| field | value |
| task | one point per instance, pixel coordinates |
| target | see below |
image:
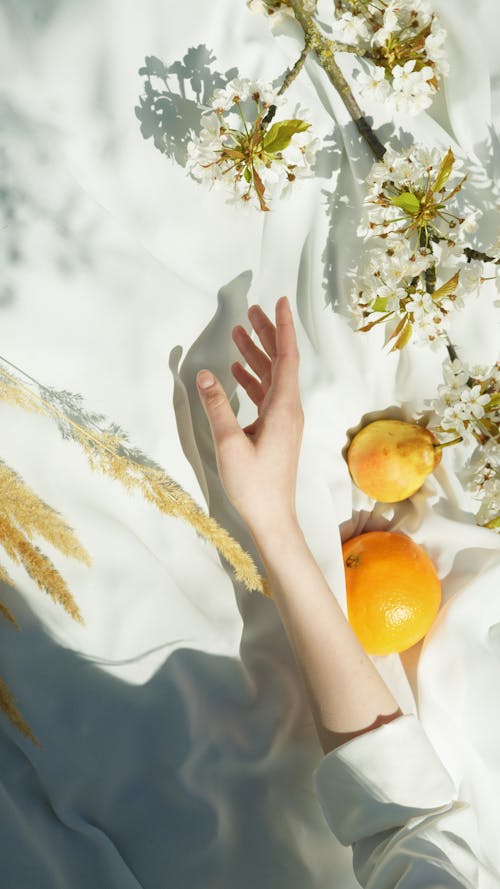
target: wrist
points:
(278, 527)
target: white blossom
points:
(421, 304)
(374, 84)
(472, 402)
(388, 26)
(463, 400)
(434, 49)
(350, 27)
(455, 374)
(470, 223)
(223, 154)
(481, 478)
(265, 93)
(389, 35)
(412, 90)
(470, 277)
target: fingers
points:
(258, 361)
(264, 329)
(251, 386)
(286, 340)
(282, 357)
(220, 414)
(286, 379)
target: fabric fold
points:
(388, 795)
(381, 780)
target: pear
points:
(390, 459)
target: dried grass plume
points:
(108, 451)
(23, 514)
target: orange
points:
(393, 591)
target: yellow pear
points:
(390, 459)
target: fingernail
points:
(205, 379)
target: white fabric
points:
(387, 794)
(178, 743)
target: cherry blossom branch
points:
(324, 50)
(289, 78)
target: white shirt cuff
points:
(381, 779)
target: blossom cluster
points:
(409, 191)
(403, 41)
(414, 270)
(481, 478)
(239, 150)
(469, 406)
(469, 401)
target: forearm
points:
(347, 694)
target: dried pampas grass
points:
(107, 450)
(23, 513)
(9, 708)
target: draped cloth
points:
(178, 747)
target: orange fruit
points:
(393, 591)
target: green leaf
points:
(279, 136)
(489, 425)
(408, 202)
(446, 289)
(493, 403)
(380, 304)
(493, 523)
(247, 175)
(444, 171)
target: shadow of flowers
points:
(170, 115)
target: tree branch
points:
(325, 50)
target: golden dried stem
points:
(156, 486)
(9, 708)
(38, 566)
(33, 515)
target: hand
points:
(258, 464)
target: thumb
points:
(217, 408)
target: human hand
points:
(258, 464)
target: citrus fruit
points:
(393, 591)
(390, 459)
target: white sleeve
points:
(387, 794)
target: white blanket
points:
(178, 744)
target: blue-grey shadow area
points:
(37, 14)
(165, 783)
(175, 96)
(200, 777)
(266, 655)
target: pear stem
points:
(445, 444)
